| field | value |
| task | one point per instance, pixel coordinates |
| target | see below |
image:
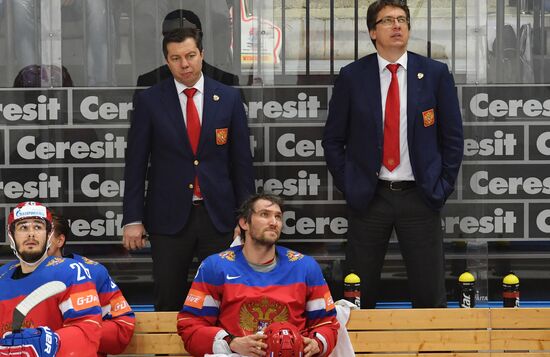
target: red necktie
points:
(193, 130)
(391, 122)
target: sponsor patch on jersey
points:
(294, 256)
(119, 306)
(221, 136)
(55, 261)
(329, 302)
(429, 118)
(228, 254)
(84, 300)
(195, 298)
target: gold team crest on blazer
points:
(221, 136)
(429, 118)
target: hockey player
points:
(66, 324)
(239, 292)
(118, 318)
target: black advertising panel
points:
(98, 184)
(506, 104)
(95, 223)
(295, 143)
(102, 106)
(20, 107)
(290, 104)
(257, 142)
(513, 182)
(68, 145)
(48, 185)
(483, 220)
(328, 221)
(493, 143)
(294, 183)
(539, 142)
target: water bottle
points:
(510, 291)
(467, 290)
(352, 289)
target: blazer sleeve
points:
(451, 136)
(242, 171)
(335, 134)
(137, 158)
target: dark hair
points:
(180, 35)
(377, 6)
(247, 208)
(61, 226)
(179, 19)
(31, 76)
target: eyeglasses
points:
(390, 20)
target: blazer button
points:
(190, 186)
(377, 173)
(196, 162)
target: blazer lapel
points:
(371, 82)
(171, 103)
(415, 75)
(209, 109)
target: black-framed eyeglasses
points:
(390, 20)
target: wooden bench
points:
(399, 333)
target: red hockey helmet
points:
(30, 209)
(283, 340)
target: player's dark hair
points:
(377, 6)
(61, 226)
(247, 208)
(180, 35)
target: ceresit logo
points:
(304, 107)
(46, 187)
(91, 109)
(307, 184)
(313, 225)
(110, 226)
(45, 109)
(482, 107)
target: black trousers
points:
(172, 256)
(420, 237)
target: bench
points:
(399, 333)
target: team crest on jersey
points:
(55, 261)
(294, 256)
(255, 315)
(89, 261)
(228, 254)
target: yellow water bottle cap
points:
(466, 277)
(510, 279)
(352, 279)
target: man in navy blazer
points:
(404, 189)
(189, 204)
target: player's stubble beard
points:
(31, 257)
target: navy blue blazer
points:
(353, 135)
(158, 136)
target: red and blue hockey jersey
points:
(74, 314)
(229, 294)
(118, 318)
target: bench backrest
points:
(394, 333)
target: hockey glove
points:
(33, 342)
